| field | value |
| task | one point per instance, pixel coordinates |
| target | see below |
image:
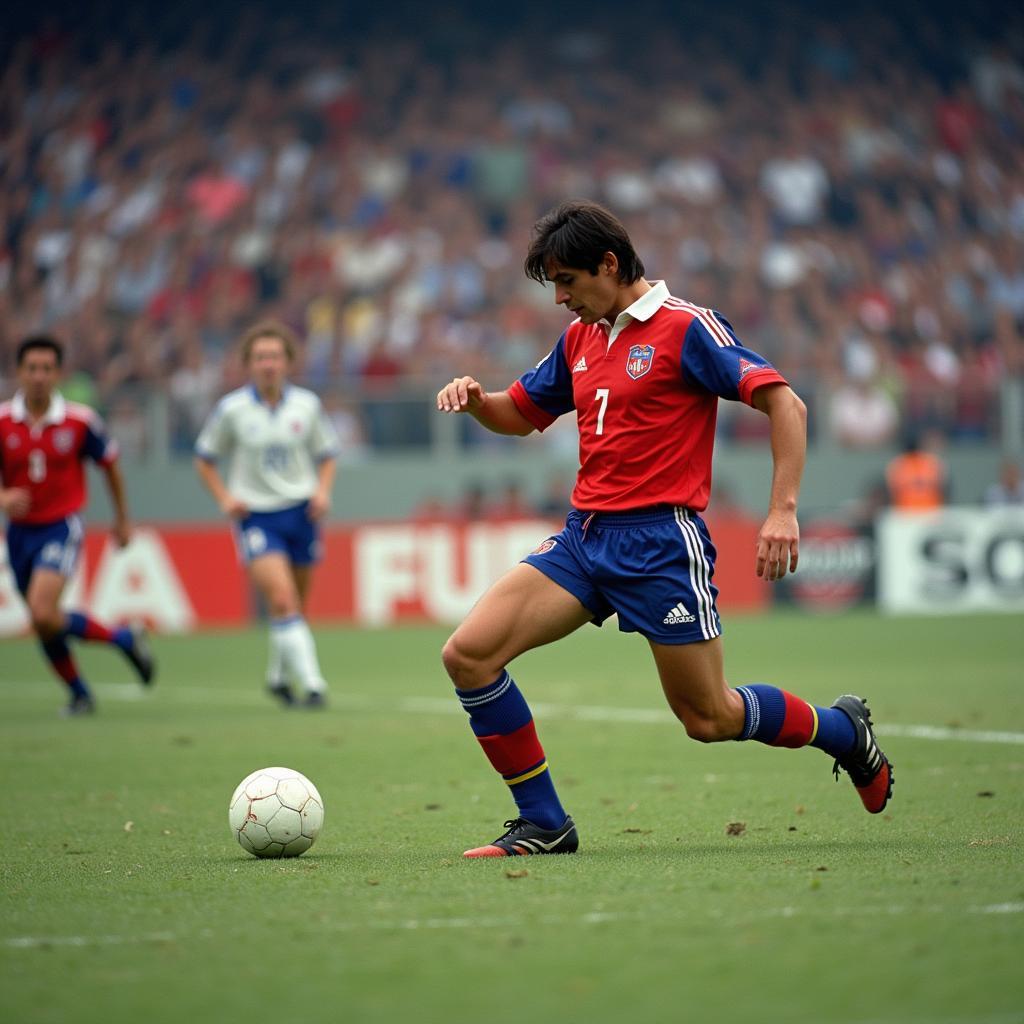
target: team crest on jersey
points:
(296, 426)
(13, 441)
(639, 360)
(63, 439)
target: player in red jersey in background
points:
(644, 372)
(44, 442)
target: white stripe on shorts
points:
(72, 546)
(700, 573)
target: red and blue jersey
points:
(646, 398)
(47, 458)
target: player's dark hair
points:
(270, 329)
(578, 233)
(40, 341)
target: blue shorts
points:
(652, 567)
(288, 530)
(53, 546)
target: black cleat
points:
(80, 704)
(141, 655)
(283, 692)
(869, 769)
(315, 699)
(523, 838)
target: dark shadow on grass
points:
(303, 859)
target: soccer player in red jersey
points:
(44, 442)
(644, 372)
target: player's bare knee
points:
(703, 728)
(466, 671)
(46, 622)
(454, 660)
(282, 604)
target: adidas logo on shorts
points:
(678, 616)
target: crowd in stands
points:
(847, 187)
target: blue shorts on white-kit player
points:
(289, 531)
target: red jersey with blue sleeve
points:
(47, 458)
(646, 399)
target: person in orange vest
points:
(916, 480)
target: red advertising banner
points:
(184, 577)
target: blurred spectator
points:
(80, 387)
(797, 185)
(997, 76)
(916, 480)
(862, 413)
(1009, 488)
(216, 194)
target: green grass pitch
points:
(123, 896)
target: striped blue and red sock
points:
(503, 725)
(779, 719)
(84, 627)
(61, 659)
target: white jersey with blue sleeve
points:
(271, 452)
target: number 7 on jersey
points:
(602, 397)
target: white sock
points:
(299, 653)
(275, 660)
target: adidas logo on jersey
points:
(581, 365)
(678, 616)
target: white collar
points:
(642, 309)
(54, 414)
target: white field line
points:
(593, 917)
(79, 941)
(444, 706)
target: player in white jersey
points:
(280, 451)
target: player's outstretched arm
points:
(121, 529)
(778, 543)
(493, 409)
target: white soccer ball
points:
(276, 812)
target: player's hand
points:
(233, 508)
(122, 532)
(15, 501)
(778, 545)
(463, 395)
(319, 506)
